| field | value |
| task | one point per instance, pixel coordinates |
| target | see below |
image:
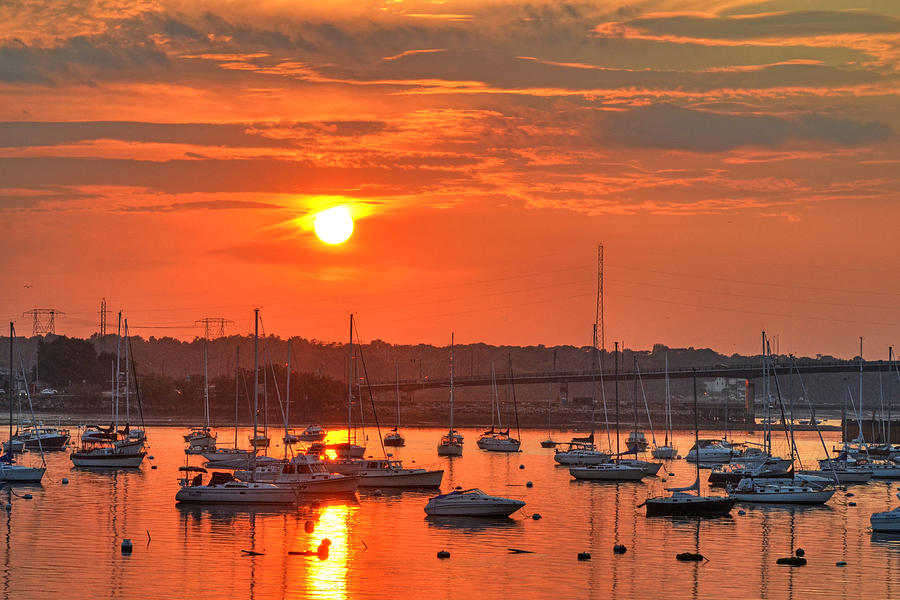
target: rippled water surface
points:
(65, 541)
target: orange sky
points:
(739, 163)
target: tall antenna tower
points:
(102, 324)
(599, 328)
(44, 320)
(213, 327)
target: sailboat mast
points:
(696, 431)
(127, 379)
(860, 380)
(767, 440)
(206, 381)
(255, 378)
(11, 386)
(118, 355)
(397, 378)
(350, 385)
(668, 405)
(237, 375)
(617, 398)
(287, 391)
(451, 386)
(889, 439)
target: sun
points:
(334, 225)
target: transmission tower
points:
(44, 320)
(599, 328)
(102, 324)
(213, 327)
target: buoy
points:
(65, 480)
(800, 552)
(443, 554)
(152, 466)
(850, 494)
(793, 561)
(521, 466)
(671, 474)
(584, 556)
(841, 563)
(663, 480)
(377, 493)
(537, 516)
(851, 504)
(309, 527)
(619, 549)
(322, 550)
(8, 507)
(150, 457)
(126, 546)
(690, 557)
(529, 484)
(742, 512)
(27, 496)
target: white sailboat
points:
(668, 450)
(9, 470)
(496, 439)
(223, 487)
(202, 439)
(451, 444)
(234, 457)
(394, 438)
(886, 522)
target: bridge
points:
(745, 371)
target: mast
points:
(860, 381)
(118, 354)
(287, 392)
(237, 374)
(696, 430)
(255, 379)
(494, 396)
(668, 401)
(11, 386)
(515, 403)
(350, 385)
(127, 379)
(206, 380)
(397, 372)
(767, 439)
(617, 399)
(634, 393)
(890, 440)
(451, 388)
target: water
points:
(65, 542)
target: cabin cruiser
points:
(383, 473)
(234, 458)
(313, 433)
(682, 504)
(306, 474)
(107, 455)
(886, 522)
(782, 492)
(471, 503)
(711, 451)
(224, 488)
(200, 439)
(636, 442)
(39, 436)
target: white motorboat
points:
(787, 492)
(39, 436)
(636, 441)
(313, 433)
(607, 472)
(224, 488)
(886, 522)
(580, 453)
(384, 473)
(711, 451)
(471, 503)
(306, 474)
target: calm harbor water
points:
(65, 541)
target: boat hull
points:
(494, 445)
(842, 476)
(548, 444)
(450, 450)
(580, 458)
(426, 479)
(600, 473)
(886, 522)
(806, 497)
(21, 474)
(394, 441)
(216, 495)
(664, 452)
(474, 509)
(89, 459)
(689, 507)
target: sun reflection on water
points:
(328, 578)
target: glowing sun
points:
(334, 225)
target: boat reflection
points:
(472, 523)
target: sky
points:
(738, 160)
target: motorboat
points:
(224, 488)
(722, 475)
(607, 472)
(259, 440)
(886, 522)
(580, 453)
(38, 436)
(200, 439)
(313, 433)
(231, 458)
(787, 492)
(711, 451)
(384, 473)
(636, 441)
(107, 455)
(471, 503)
(13, 473)
(346, 450)
(306, 474)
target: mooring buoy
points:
(443, 554)
(584, 556)
(126, 546)
(529, 484)
(537, 516)
(619, 549)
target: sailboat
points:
(452, 443)
(394, 437)
(609, 471)
(116, 448)
(581, 450)
(496, 439)
(223, 487)
(682, 504)
(9, 470)
(668, 450)
(202, 439)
